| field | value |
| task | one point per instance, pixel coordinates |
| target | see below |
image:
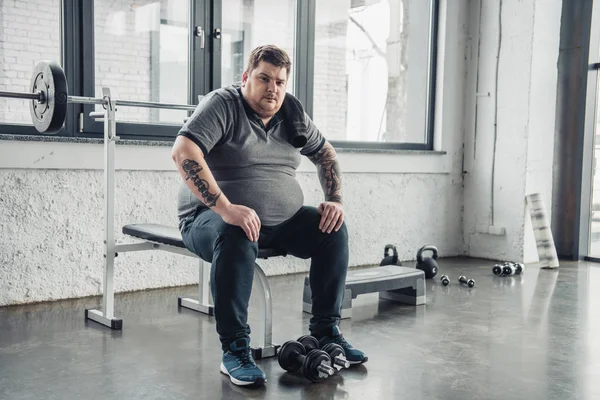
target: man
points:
(238, 154)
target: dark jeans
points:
(232, 256)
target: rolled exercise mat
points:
(541, 230)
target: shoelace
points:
(244, 357)
(342, 342)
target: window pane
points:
(141, 53)
(29, 33)
(251, 23)
(371, 69)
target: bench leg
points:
(203, 303)
(107, 317)
(268, 349)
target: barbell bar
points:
(49, 98)
(93, 100)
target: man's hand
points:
(244, 217)
(332, 216)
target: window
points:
(30, 32)
(244, 28)
(362, 68)
(372, 75)
(141, 53)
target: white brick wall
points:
(330, 95)
(126, 41)
(122, 53)
(122, 56)
(29, 32)
(247, 19)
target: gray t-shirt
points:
(253, 165)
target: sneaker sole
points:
(364, 360)
(259, 381)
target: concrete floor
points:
(534, 336)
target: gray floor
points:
(535, 336)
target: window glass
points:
(250, 23)
(371, 77)
(142, 53)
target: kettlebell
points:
(390, 259)
(428, 265)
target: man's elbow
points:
(176, 154)
(184, 148)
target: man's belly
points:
(274, 200)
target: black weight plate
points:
(309, 342)
(287, 356)
(334, 350)
(311, 363)
(48, 115)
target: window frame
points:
(77, 59)
(431, 90)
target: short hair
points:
(271, 54)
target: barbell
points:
(49, 98)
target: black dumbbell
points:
(497, 270)
(315, 366)
(445, 280)
(464, 280)
(508, 268)
(511, 268)
(335, 351)
(337, 354)
(309, 342)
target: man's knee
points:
(340, 236)
(233, 240)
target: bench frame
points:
(106, 316)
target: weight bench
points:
(166, 238)
(400, 284)
(392, 282)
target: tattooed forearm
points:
(192, 172)
(328, 170)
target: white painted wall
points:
(524, 98)
(51, 224)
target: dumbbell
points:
(497, 270)
(512, 269)
(445, 280)
(464, 280)
(335, 351)
(315, 366)
(507, 268)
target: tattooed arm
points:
(328, 170)
(196, 174)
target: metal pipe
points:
(93, 100)
(85, 100)
(19, 95)
(132, 103)
(150, 104)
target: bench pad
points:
(171, 236)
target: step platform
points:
(396, 283)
